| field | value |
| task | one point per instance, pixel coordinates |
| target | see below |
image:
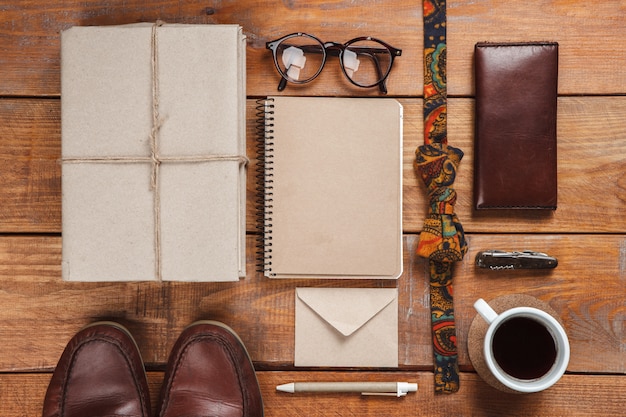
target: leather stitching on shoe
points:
(126, 354)
(231, 353)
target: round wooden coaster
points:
(478, 329)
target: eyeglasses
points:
(365, 61)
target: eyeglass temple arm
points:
(382, 85)
(337, 48)
(371, 53)
(283, 83)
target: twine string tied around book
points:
(154, 158)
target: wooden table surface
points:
(39, 312)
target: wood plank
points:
(587, 233)
(591, 55)
(578, 28)
(596, 395)
(592, 174)
(591, 155)
(30, 184)
(586, 290)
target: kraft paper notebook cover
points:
(333, 188)
(179, 216)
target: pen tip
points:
(291, 387)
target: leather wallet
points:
(515, 165)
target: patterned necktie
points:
(442, 240)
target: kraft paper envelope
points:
(347, 327)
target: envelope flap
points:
(347, 309)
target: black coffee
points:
(524, 348)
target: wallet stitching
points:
(540, 43)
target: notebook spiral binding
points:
(264, 181)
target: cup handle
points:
(485, 310)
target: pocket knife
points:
(499, 259)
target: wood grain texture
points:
(30, 184)
(591, 149)
(587, 233)
(591, 55)
(586, 289)
(595, 396)
(590, 156)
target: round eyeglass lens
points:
(366, 62)
(300, 58)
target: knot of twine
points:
(155, 159)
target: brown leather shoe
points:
(209, 373)
(99, 374)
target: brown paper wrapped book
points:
(153, 152)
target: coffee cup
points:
(525, 348)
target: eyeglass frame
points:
(333, 46)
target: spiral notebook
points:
(332, 192)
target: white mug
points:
(525, 348)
